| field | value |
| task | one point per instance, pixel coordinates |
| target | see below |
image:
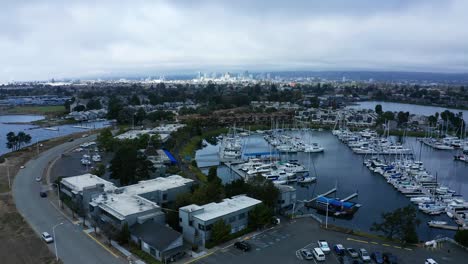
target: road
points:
(73, 245)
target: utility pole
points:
(55, 241)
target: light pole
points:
(326, 218)
(58, 193)
(55, 241)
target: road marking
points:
(204, 256)
(102, 245)
(357, 240)
(397, 247)
(60, 211)
(375, 243)
(386, 245)
(409, 249)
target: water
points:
(413, 109)
(338, 164)
(37, 133)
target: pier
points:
(321, 195)
(447, 227)
(349, 197)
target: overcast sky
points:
(55, 38)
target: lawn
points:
(39, 110)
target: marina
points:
(340, 166)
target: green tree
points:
(378, 109)
(260, 216)
(462, 237)
(124, 234)
(220, 232)
(127, 115)
(213, 175)
(134, 100)
(128, 166)
(99, 170)
(140, 116)
(16, 141)
(399, 224)
(79, 108)
(113, 107)
(93, 104)
(105, 139)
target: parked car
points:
(318, 254)
(430, 261)
(324, 246)
(43, 194)
(352, 252)
(71, 140)
(346, 260)
(377, 257)
(390, 258)
(242, 245)
(339, 249)
(307, 253)
(364, 255)
(47, 238)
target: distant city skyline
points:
(79, 39)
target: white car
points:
(318, 254)
(47, 238)
(430, 261)
(324, 246)
(307, 254)
(364, 255)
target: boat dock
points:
(447, 227)
(349, 197)
(321, 195)
(236, 169)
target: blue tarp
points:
(334, 202)
(169, 155)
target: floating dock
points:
(447, 227)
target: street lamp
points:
(58, 194)
(55, 241)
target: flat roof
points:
(78, 183)
(227, 206)
(157, 184)
(122, 204)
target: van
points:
(430, 261)
(318, 254)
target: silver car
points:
(47, 237)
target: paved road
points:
(73, 245)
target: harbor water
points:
(339, 166)
(12, 123)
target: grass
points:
(41, 110)
(143, 255)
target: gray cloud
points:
(46, 39)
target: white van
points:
(318, 254)
(430, 261)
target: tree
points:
(388, 116)
(402, 118)
(79, 108)
(399, 224)
(134, 100)
(105, 139)
(378, 109)
(124, 234)
(220, 232)
(462, 237)
(93, 104)
(140, 116)
(99, 170)
(260, 216)
(16, 141)
(113, 107)
(213, 175)
(128, 166)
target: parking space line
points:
(357, 240)
(397, 247)
(373, 242)
(386, 245)
(409, 249)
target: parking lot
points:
(282, 245)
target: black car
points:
(345, 260)
(242, 245)
(43, 194)
(390, 258)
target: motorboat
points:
(313, 148)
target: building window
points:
(201, 227)
(208, 227)
(190, 223)
(180, 219)
(165, 196)
(242, 216)
(232, 219)
(152, 251)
